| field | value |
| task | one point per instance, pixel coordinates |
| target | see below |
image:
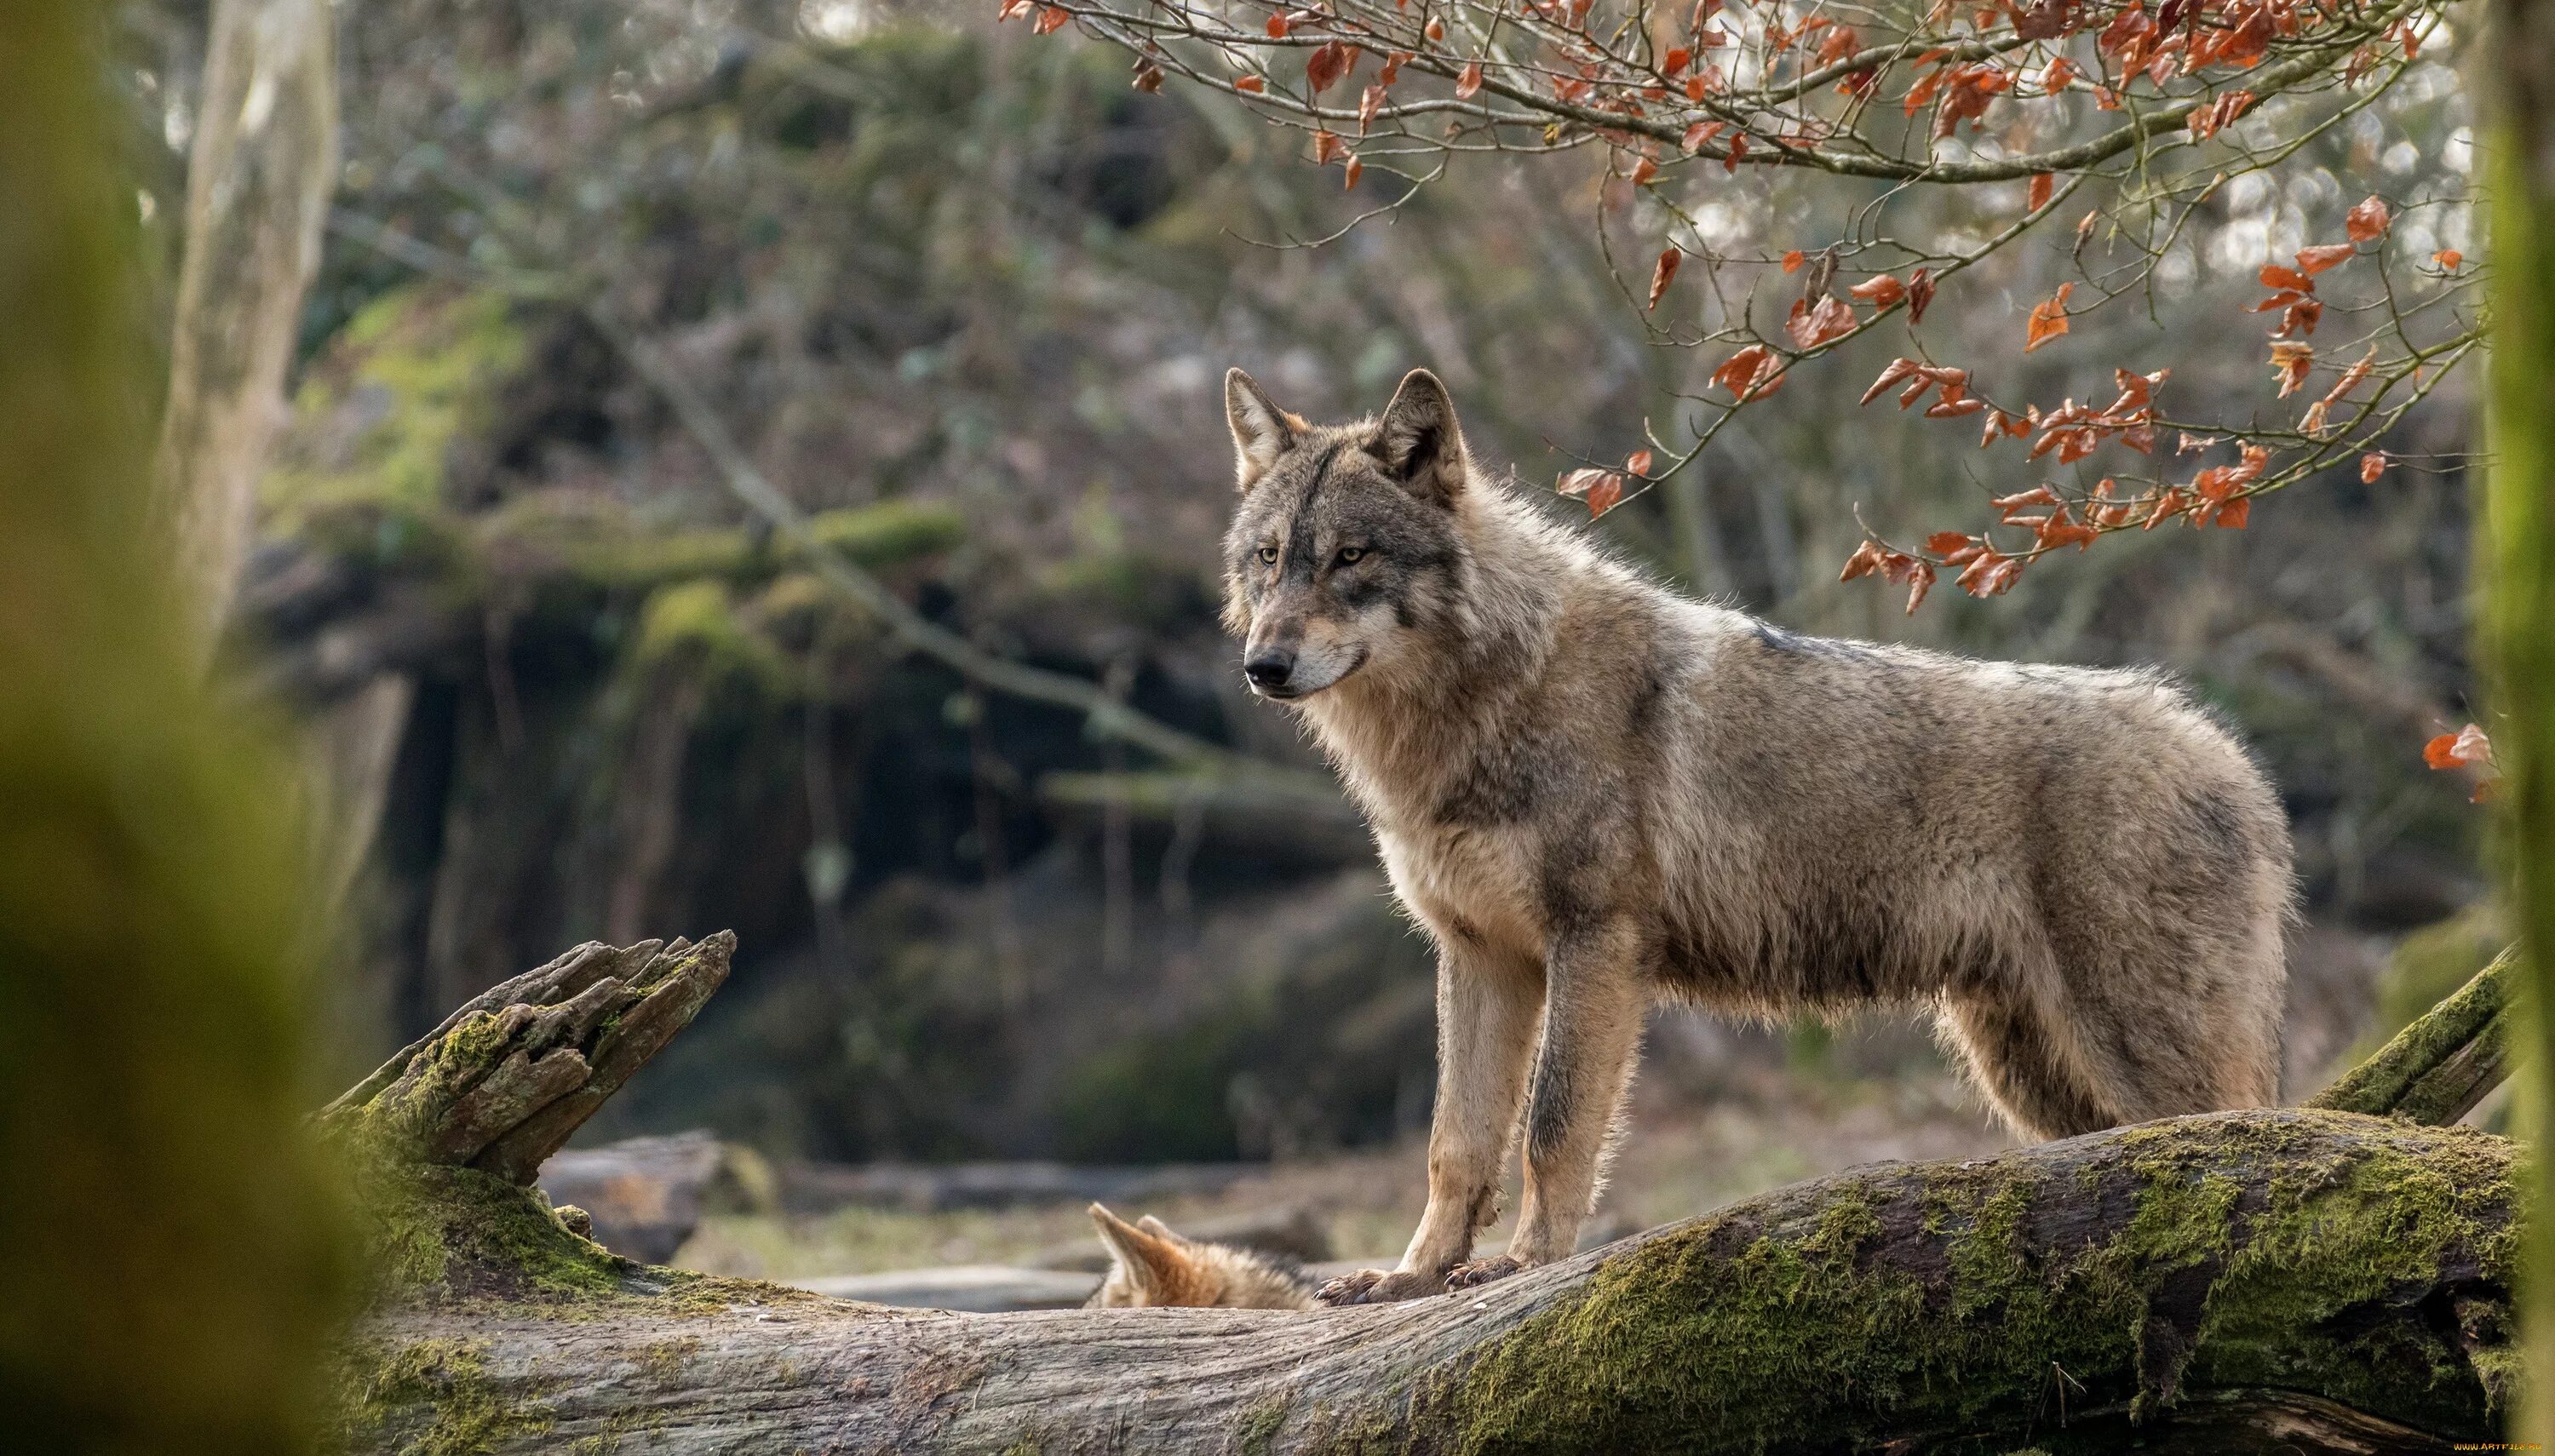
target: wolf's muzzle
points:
(1270, 669)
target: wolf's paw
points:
(1379, 1286)
(1481, 1272)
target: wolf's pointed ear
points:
(1261, 431)
(1419, 441)
(1153, 1263)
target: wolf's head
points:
(1152, 1268)
(1347, 541)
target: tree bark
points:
(2317, 1279)
(262, 166)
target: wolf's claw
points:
(1379, 1286)
(1482, 1272)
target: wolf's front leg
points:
(1485, 1012)
(1594, 1000)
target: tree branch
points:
(2438, 1068)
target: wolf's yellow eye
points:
(1268, 556)
(1349, 555)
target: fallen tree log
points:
(2310, 1280)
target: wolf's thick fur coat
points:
(1595, 793)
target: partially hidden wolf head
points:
(1152, 1268)
(1347, 545)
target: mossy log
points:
(2306, 1281)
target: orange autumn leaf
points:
(1751, 374)
(2317, 259)
(1665, 272)
(2290, 360)
(2048, 318)
(1250, 85)
(1921, 292)
(1326, 145)
(1812, 324)
(2366, 222)
(2447, 259)
(1050, 19)
(2372, 465)
(1469, 81)
(1324, 67)
(2463, 749)
(1350, 173)
(1645, 171)
(1603, 496)
(1637, 463)
(1278, 27)
(1792, 261)
(1879, 292)
(2043, 184)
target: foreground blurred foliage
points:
(964, 295)
(167, 1260)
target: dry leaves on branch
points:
(2048, 318)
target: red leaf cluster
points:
(1913, 573)
(1751, 374)
(2074, 431)
(1814, 324)
(2209, 120)
(2468, 747)
(1960, 93)
(1325, 66)
(2214, 491)
(2290, 361)
(1602, 489)
(1952, 386)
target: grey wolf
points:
(1149, 1267)
(1595, 793)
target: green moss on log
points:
(434, 1397)
(1799, 1325)
(2434, 1068)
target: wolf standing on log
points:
(1595, 793)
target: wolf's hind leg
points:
(2021, 1057)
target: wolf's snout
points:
(1269, 668)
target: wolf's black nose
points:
(1269, 668)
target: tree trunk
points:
(2517, 554)
(258, 183)
(2318, 1280)
(169, 1266)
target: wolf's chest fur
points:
(1471, 881)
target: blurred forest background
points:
(964, 295)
